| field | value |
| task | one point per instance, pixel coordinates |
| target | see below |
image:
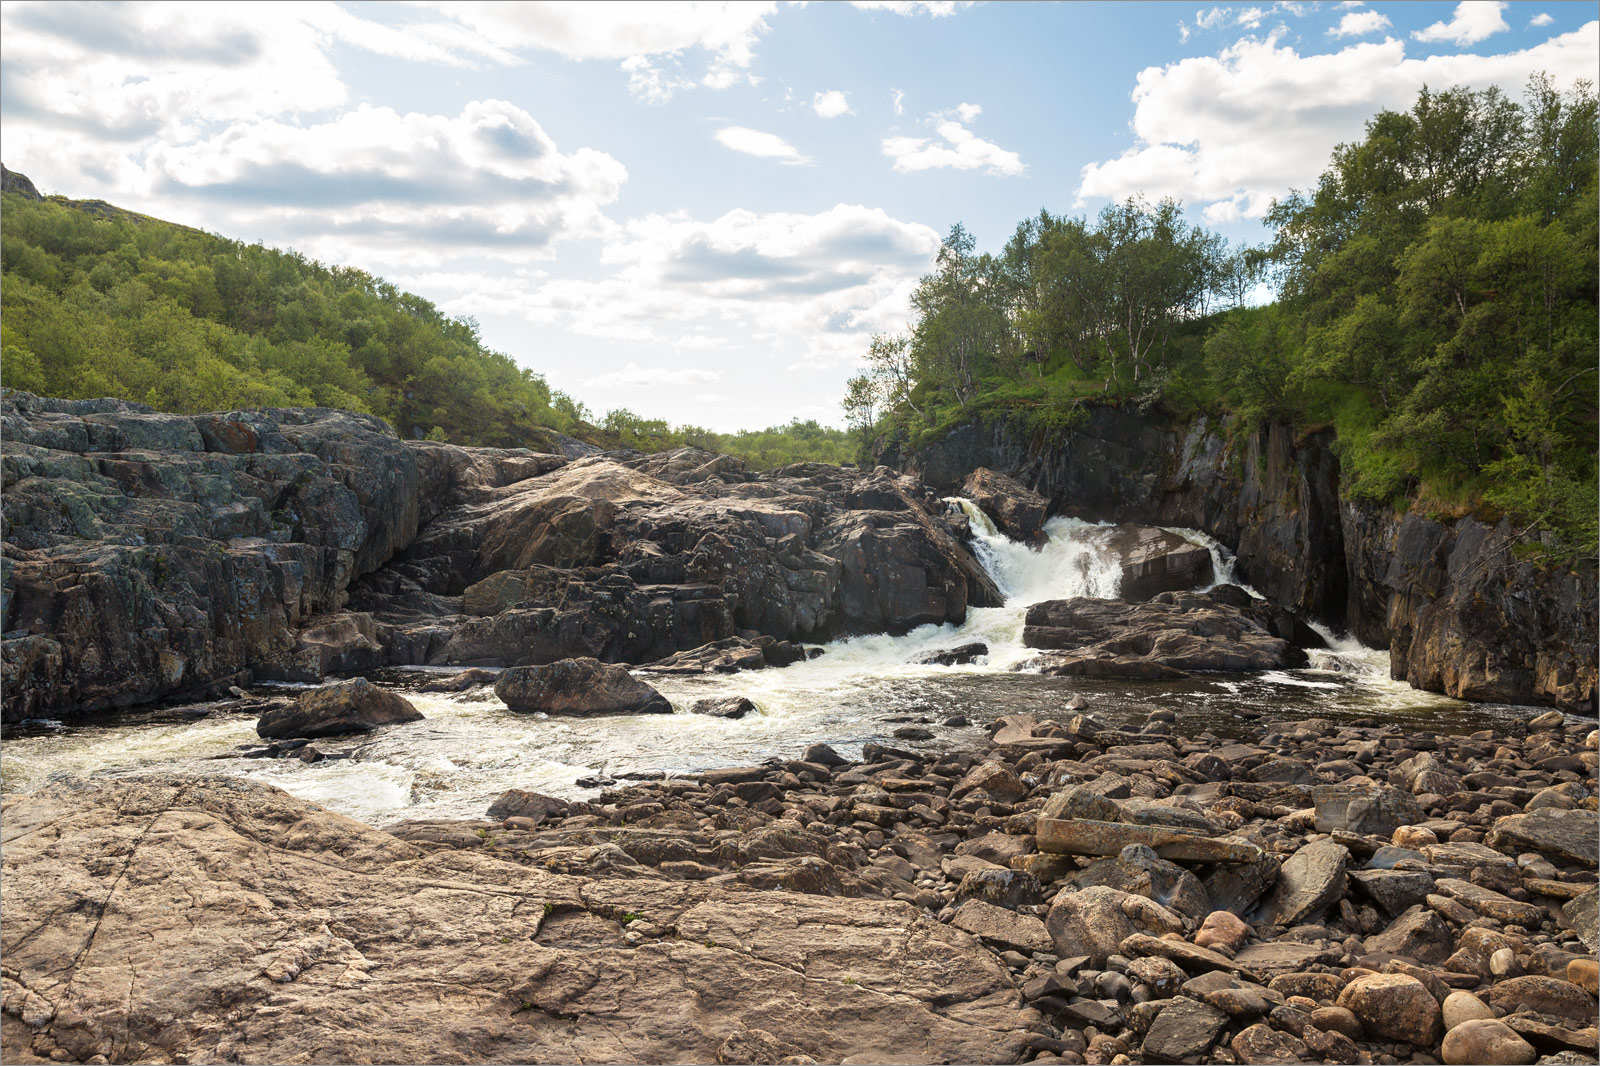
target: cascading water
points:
(470, 748)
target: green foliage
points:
(1437, 306)
(109, 303)
(762, 449)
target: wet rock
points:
(913, 732)
(578, 686)
(734, 707)
(345, 707)
(958, 656)
(725, 656)
(1184, 1028)
(822, 753)
(1156, 561)
(1377, 810)
(1016, 510)
(461, 680)
(1394, 1007)
(518, 803)
(1566, 836)
(1309, 882)
(1484, 1040)
(1173, 632)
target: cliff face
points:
(1460, 612)
(152, 555)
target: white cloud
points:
(634, 376)
(1474, 20)
(936, 8)
(1203, 136)
(831, 104)
(898, 101)
(962, 150)
(1250, 17)
(1210, 20)
(1359, 24)
(760, 144)
(1543, 18)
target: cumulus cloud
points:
(1543, 18)
(1204, 138)
(1474, 20)
(962, 149)
(936, 8)
(1359, 24)
(760, 144)
(831, 104)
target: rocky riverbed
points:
(1065, 892)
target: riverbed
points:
(471, 747)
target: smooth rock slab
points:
(1310, 881)
(223, 920)
(1002, 926)
(1084, 837)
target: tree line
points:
(1433, 298)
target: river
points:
(471, 748)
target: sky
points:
(703, 211)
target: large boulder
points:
(1095, 921)
(1565, 836)
(1309, 882)
(1174, 632)
(1016, 510)
(1374, 810)
(354, 706)
(578, 686)
(1155, 561)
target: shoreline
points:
(1387, 875)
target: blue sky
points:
(703, 211)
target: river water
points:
(471, 748)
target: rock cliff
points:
(150, 555)
(1461, 612)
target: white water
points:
(470, 748)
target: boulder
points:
(1543, 995)
(1095, 921)
(520, 803)
(345, 707)
(958, 656)
(578, 686)
(1155, 561)
(1375, 810)
(1309, 882)
(1583, 917)
(1016, 510)
(725, 707)
(718, 657)
(1184, 1029)
(1002, 926)
(1484, 1040)
(1394, 1007)
(1139, 870)
(1565, 836)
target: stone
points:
(958, 656)
(1138, 869)
(1079, 804)
(1377, 810)
(994, 778)
(1222, 929)
(1002, 926)
(1339, 1020)
(1237, 887)
(1310, 882)
(1001, 887)
(1585, 973)
(734, 707)
(1394, 1007)
(1016, 510)
(1262, 1044)
(1417, 934)
(519, 803)
(1155, 560)
(353, 706)
(578, 686)
(1084, 837)
(1270, 958)
(1480, 1041)
(1492, 904)
(1545, 995)
(1583, 918)
(241, 923)
(1566, 836)
(1095, 921)
(1394, 891)
(1187, 955)
(1461, 1007)
(1163, 976)
(1184, 1028)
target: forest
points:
(101, 301)
(1433, 298)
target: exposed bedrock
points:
(150, 555)
(1461, 611)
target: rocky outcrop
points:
(1155, 561)
(1170, 634)
(1017, 511)
(214, 920)
(149, 555)
(1462, 613)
